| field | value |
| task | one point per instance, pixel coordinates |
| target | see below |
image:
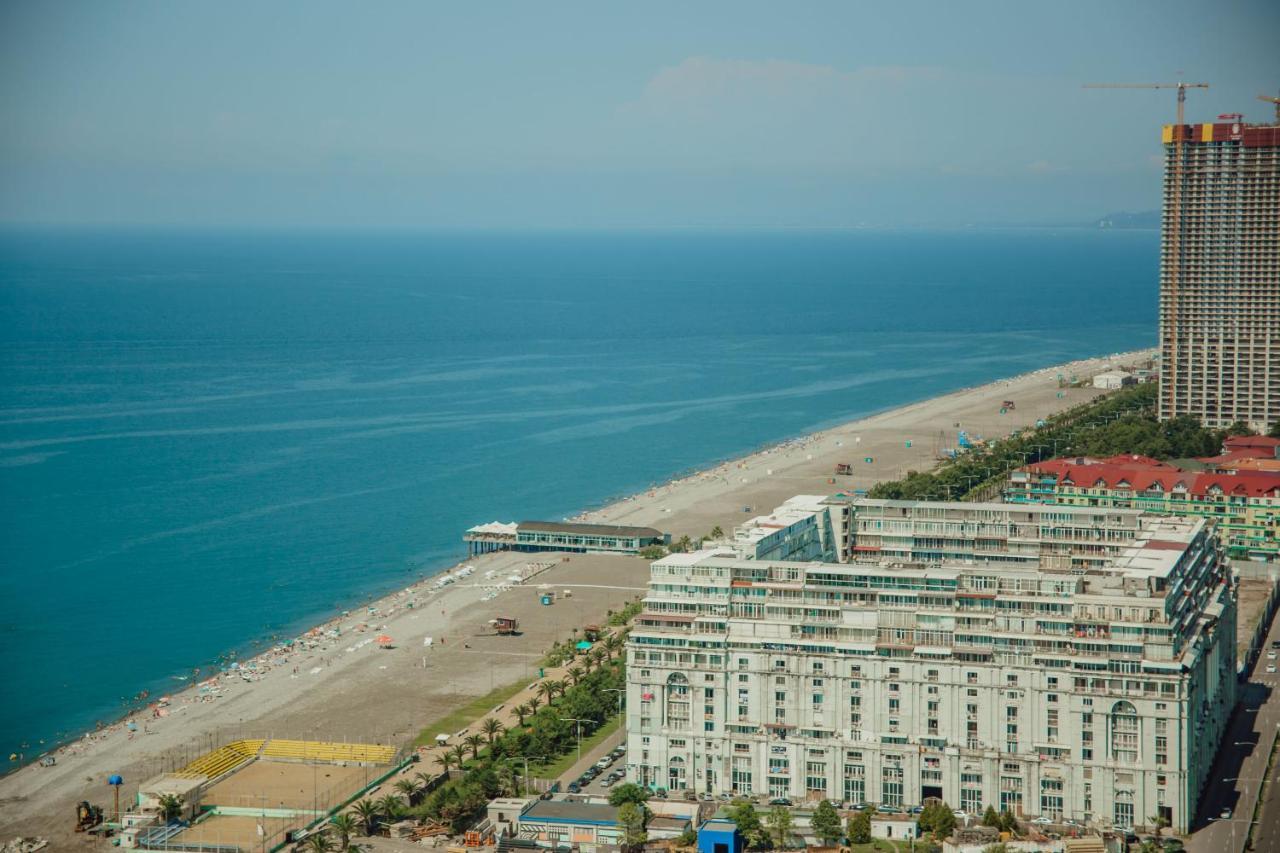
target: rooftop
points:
(1139, 474)
(572, 811)
(588, 529)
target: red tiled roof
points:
(1233, 442)
(1088, 474)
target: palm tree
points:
(368, 814)
(546, 690)
(491, 728)
(319, 843)
(598, 657)
(559, 687)
(445, 760)
(575, 673)
(345, 825)
(390, 806)
(717, 532)
(533, 704)
(424, 779)
(459, 755)
(475, 742)
(409, 788)
(521, 711)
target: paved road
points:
(1242, 759)
(590, 758)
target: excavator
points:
(87, 816)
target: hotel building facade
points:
(1220, 274)
(1067, 662)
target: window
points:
(1124, 736)
(891, 786)
(1051, 798)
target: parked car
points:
(779, 801)
(1042, 821)
(574, 787)
(961, 816)
(1271, 667)
(1225, 814)
(608, 783)
(618, 752)
(1271, 655)
(604, 762)
(691, 795)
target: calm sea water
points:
(207, 439)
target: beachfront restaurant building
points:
(561, 536)
(1066, 662)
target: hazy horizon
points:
(575, 115)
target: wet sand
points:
(347, 688)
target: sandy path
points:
(387, 696)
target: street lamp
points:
(525, 759)
(579, 728)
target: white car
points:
(1042, 821)
(1226, 814)
(1271, 655)
(1271, 668)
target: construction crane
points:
(1272, 100)
(1181, 87)
(1174, 225)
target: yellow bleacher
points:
(310, 750)
(228, 757)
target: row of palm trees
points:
(367, 814)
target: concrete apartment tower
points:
(1220, 273)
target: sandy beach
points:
(340, 684)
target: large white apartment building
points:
(1068, 662)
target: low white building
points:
(1113, 379)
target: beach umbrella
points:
(384, 640)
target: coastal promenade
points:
(346, 689)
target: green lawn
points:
(561, 765)
(474, 710)
(881, 845)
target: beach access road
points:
(389, 695)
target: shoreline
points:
(677, 505)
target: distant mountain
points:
(1145, 220)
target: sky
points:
(606, 115)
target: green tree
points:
(859, 828)
(991, 818)
(319, 843)
(747, 819)
(780, 825)
(170, 807)
(716, 533)
(408, 788)
(629, 792)
(1008, 823)
(1274, 432)
(474, 742)
(367, 811)
(345, 825)
(938, 819)
(445, 760)
(491, 728)
(1160, 823)
(1240, 428)
(390, 807)
(653, 552)
(632, 819)
(826, 823)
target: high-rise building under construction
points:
(1220, 273)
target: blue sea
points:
(208, 439)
